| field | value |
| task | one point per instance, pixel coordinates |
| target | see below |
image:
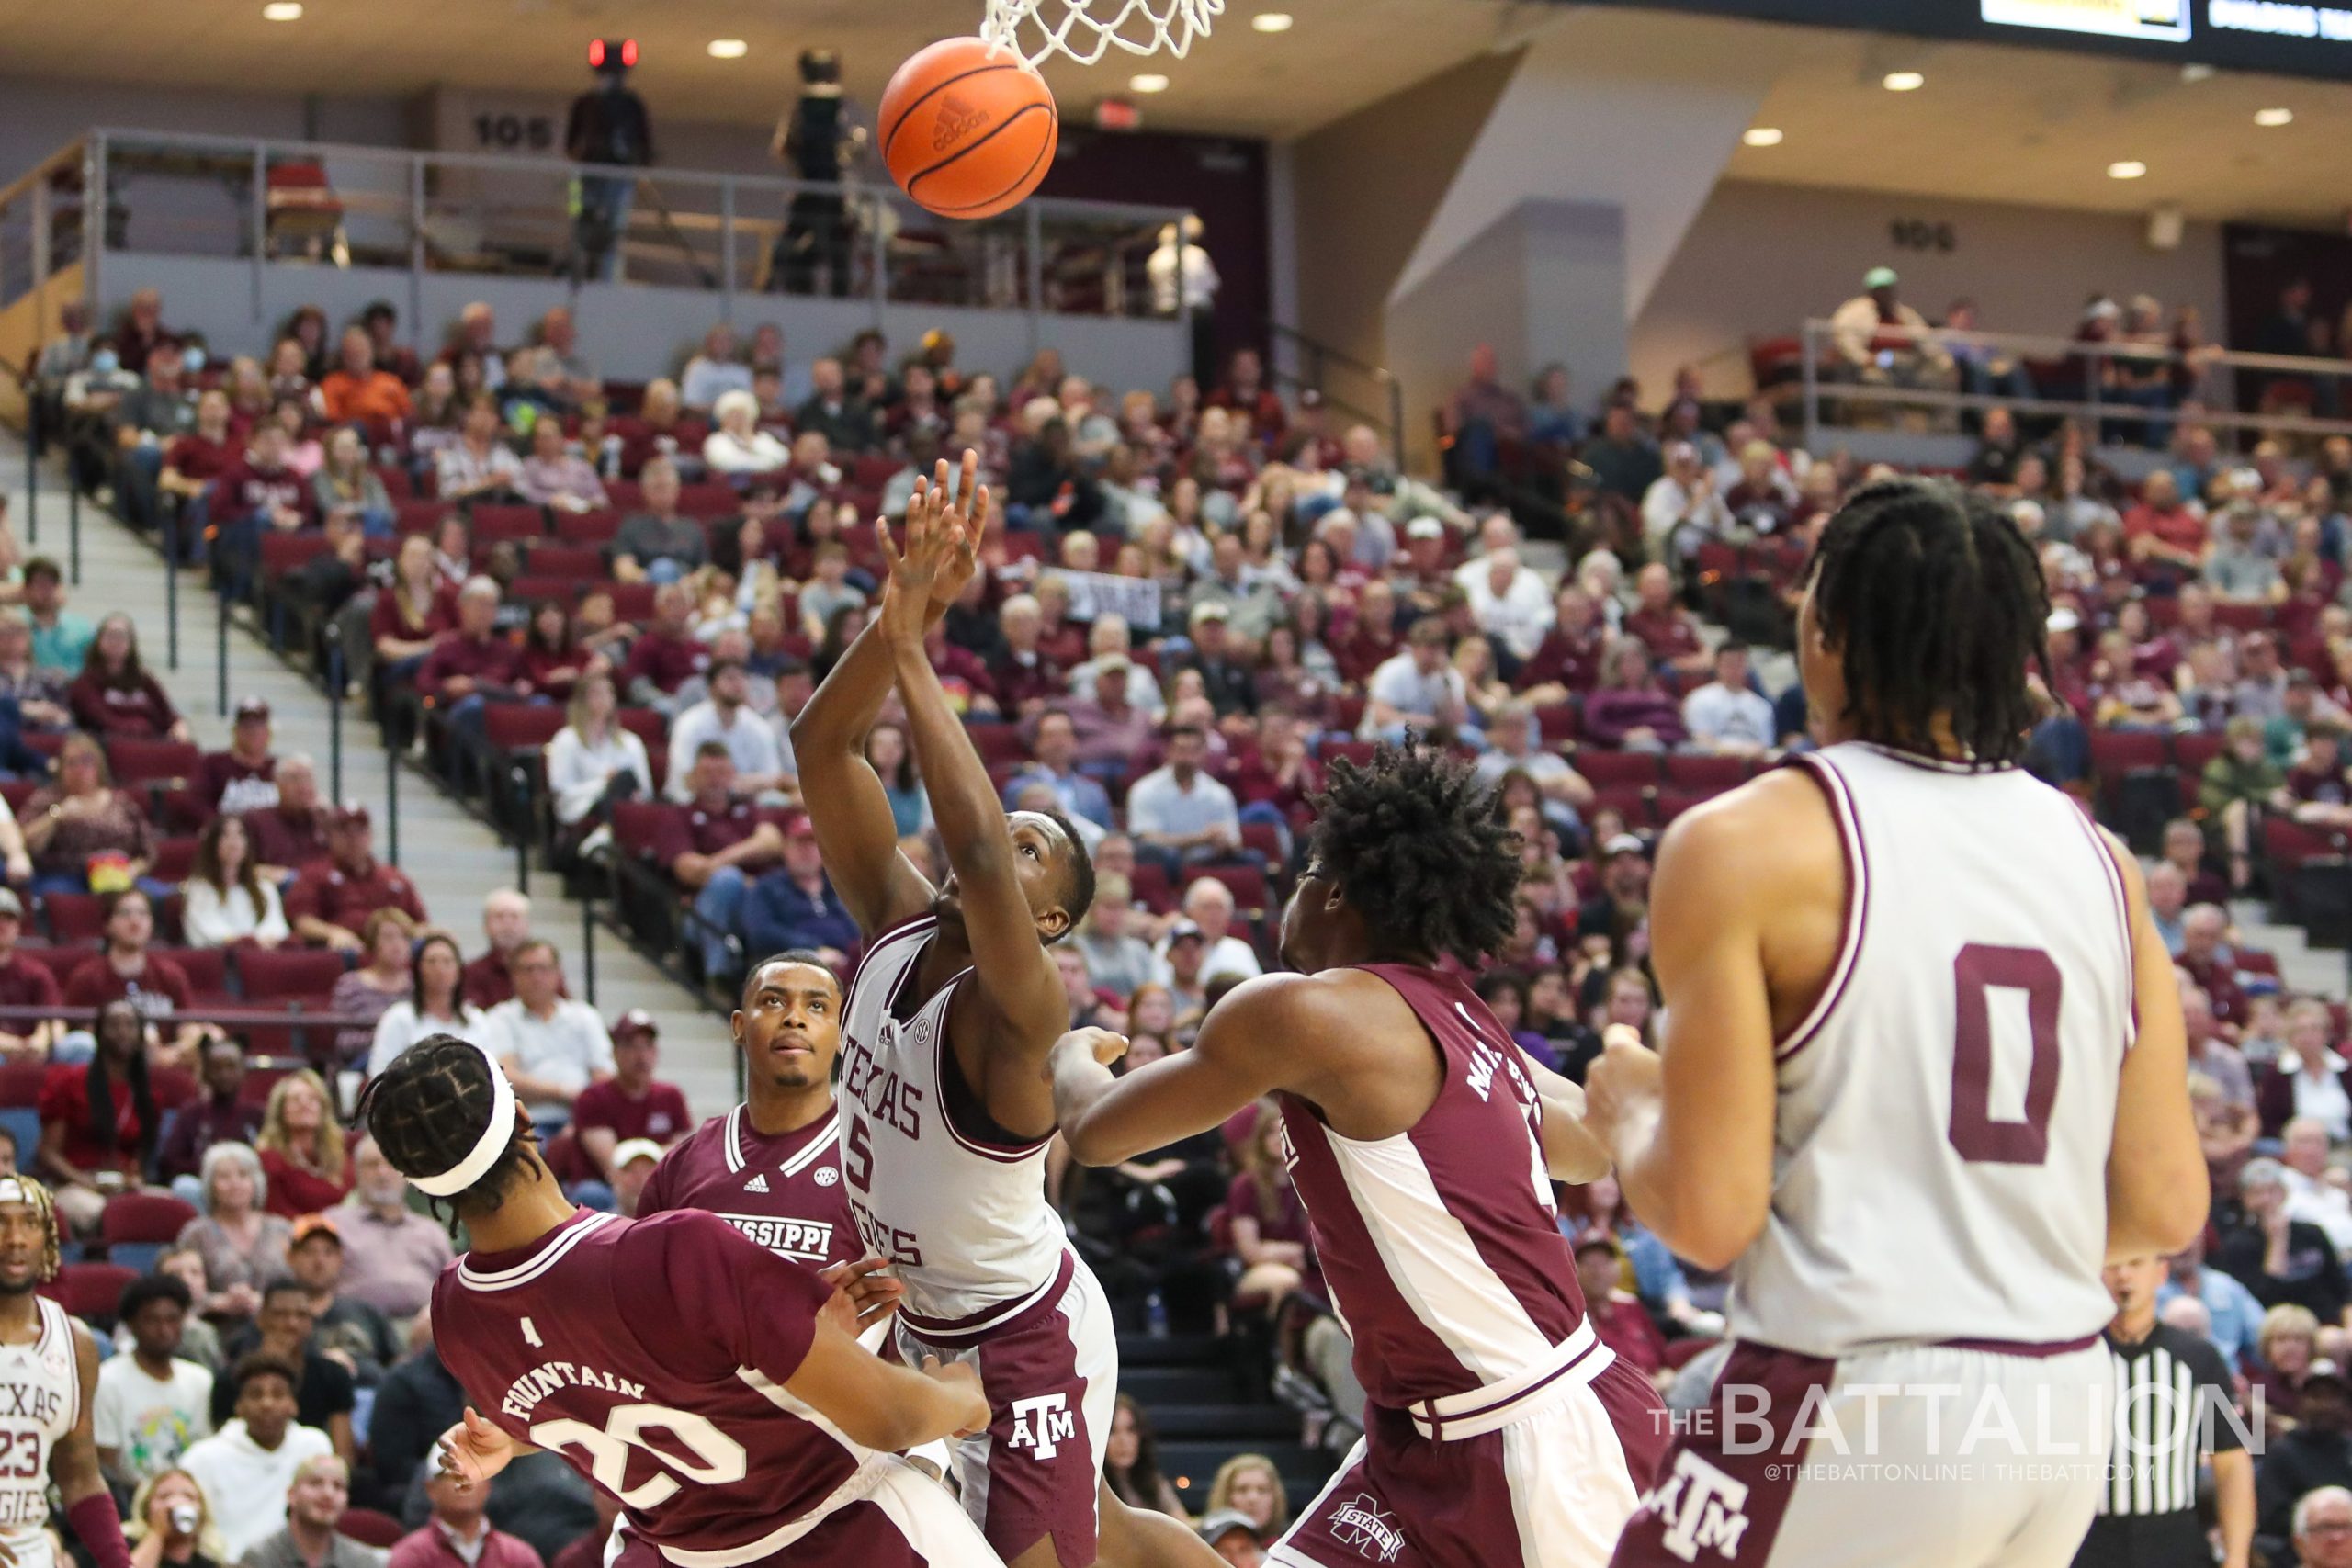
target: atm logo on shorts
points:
(1043, 1424)
(1701, 1507)
(1360, 1524)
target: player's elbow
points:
(1088, 1146)
(1711, 1228)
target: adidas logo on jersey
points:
(757, 1184)
(1702, 1508)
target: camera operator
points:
(818, 139)
(609, 125)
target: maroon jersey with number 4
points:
(784, 1193)
(651, 1354)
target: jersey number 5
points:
(1977, 972)
(710, 1456)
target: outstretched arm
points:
(1109, 1119)
(846, 804)
(1017, 980)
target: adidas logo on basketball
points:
(959, 118)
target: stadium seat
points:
(1252, 896)
(1605, 769)
(369, 1528)
(494, 522)
(75, 919)
(1706, 775)
(706, 501)
(207, 968)
(284, 554)
(90, 1291)
(137, 1227)
(519, 726)
(582, 561)
(637, 824)
(587, 527)
(1556, 722)
(20, 1084)
(271, 974)
(61, 959)
(2191, 749)
(1265, 839)
(418, 517)
(175, 858)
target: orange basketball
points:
(967, 127)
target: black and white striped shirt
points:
(2174, 1395)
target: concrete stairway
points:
(454, 859)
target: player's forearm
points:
(1080, 1084)
(962, 802)
(1571, 1154)
(846, 705)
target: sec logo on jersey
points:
(827, 1176)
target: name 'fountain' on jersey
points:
(41, 1399)
(1946, 1112)
(1442, 1245)
(952, 1200)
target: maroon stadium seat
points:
(143, 1217)
(517, 727)
(494, 522)
(596, 527)
(1606, 770)
(275, 974)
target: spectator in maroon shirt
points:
(291, 834)
(1245, 391)
(2161, 534)
(222, 1116)
(2207, 958)
(194, 460)
(722, 844)
(412, 610)
(124, 970)
(114, 695)
(666, 654)
(24, 983)
(1617, 1316)
(964, 674)
(1665, 626)
(1568, 659)
(261, 493)
(244, 777)
(474, 663)
(506, 921)
(1375, 638)
(98, 1121)
(141, 329)
(1632, 710)
(2184, 846)
(1025, 678)
(332, 898)
(629, 1104)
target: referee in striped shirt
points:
(2174, 1395)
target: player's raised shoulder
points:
(1775, 825)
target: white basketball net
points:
(1036, 29)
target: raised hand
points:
(943, 535)
(862, 1294)
(473, 1450)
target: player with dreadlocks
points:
(1424, 1145)
(1921, 1074)
(48, 1374)
(716, 1390)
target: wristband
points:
(100, 1527)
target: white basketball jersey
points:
(958, 1207)
(1946, 1111)
(41, 1399)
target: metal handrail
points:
(1318, 354)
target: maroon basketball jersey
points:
(651, 1354)
(785, 1193)
(1442, 1245)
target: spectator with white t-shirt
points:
(1514, 749)
(1510, 603)
(1418, 690)
(551, 1047)
(152, 1403)
(1725, 716)
(2310, 1195)
(763, 758)
(1208, 905)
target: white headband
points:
(486, 1148)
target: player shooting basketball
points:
(49, 1373)
(946, 1116)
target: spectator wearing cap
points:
(331, 899)
(352, 1333)
(1683, 509)
(1208, 909)
(292, 833)
(1109, 727)
(1418, 690)
(1233, 1536)
(24, 983)
(1623, 902)
(1053, 744)
(795, 906)
(2242, 567)
(2148, 1515)
(2316, 1453)
(1184, 954)
(634, 1162)
(394, 1253)
(632, 1105)
(715, 852)
(1726, 716)
(762, 755)
(1883, 341)
(244, 777)
(551, 1047)
(1418, 575)
(458, 1533)
(1177, 813)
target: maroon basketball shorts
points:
(1542, 1469)
(1050, 1368)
